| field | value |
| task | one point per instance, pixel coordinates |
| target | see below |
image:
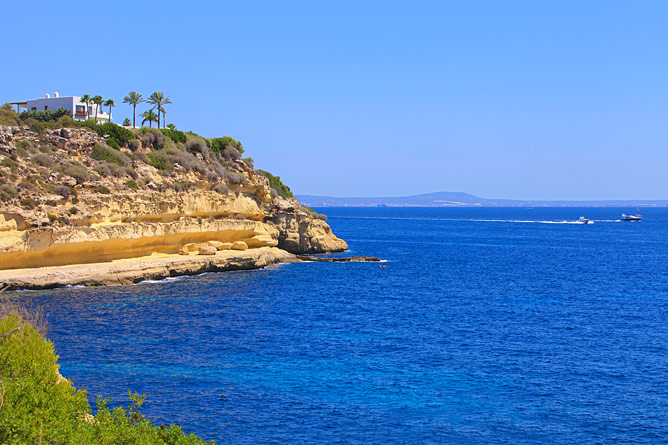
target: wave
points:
(163, 280)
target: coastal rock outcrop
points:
(299, 232)
(68, 198)
(147, 268)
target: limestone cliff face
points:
(300, 232)
(53, 216)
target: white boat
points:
(584, 220)
(626, 217)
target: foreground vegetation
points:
(37, 405)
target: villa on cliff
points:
(80, 111)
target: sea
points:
(480, 325)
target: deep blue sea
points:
(486, 325)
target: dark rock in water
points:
(337, 260)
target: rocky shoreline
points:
(154, 267)
(83, 212)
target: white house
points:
(80, 111)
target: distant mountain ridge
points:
(459, 199)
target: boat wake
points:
(537, 221)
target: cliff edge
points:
(91, 195)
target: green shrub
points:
(90, 124)
(134, 145)
(62, 190)
(9, 162)
(8, 116)
(23, 146)
(42, 159)
(46, 147)
(39, 406)
(39, 126)
(131, 172)
(221, 188)
(28, 203)
(106, 154)
(45, 115)
(102, 189)
(218, 145)
(234, 177)
(276, 184)
(77, 172)
(141, 156)
(102, 169)
(151, 137)
(249, 162)
(117, 136)
(68, 122)
(132, 184)
(185, 159)
(126, 122)
(117, 171)
(175, 135)
(160, 160)
(7, 192)
(27, 184)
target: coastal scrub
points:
(38, 405)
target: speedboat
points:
(626, 217)
(584, 220)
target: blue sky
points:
(503, 99)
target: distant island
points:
(457, 199)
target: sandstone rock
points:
(147, 268)
(285, 205)
(301, 233)
(66, 180)
(207, 250)
(154, 218)
(220, 245)
(190, 247)
(239, 245)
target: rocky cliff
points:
(69, 198)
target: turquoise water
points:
(486, 325)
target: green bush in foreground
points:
(39, 406)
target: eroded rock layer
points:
(66, 219)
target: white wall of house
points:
(70, 103)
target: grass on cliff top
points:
(37, 406)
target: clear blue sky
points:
(503, 99)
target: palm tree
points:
(97, 100)
(133, 98)
(159, 100)
(171, 126)
(85, 99)
(109, 103)
(149, 116)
